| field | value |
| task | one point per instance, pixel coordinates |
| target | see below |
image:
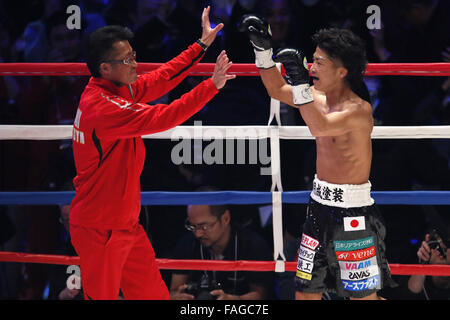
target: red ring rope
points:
(206, 69)
(242, 265)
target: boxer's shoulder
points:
(356, 104)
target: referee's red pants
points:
(113, 260)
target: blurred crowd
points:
(36, 31)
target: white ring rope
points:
(63, 132)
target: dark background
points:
(35, 31)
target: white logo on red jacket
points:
(77, 134)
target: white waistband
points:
(341, 195)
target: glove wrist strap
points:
(302, 94)
(264, 59)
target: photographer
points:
(214, 237)
(433, 250)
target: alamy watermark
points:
(374, 20)
(220, 147)
(74, 20)
(74, 280)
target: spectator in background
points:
(34, 45)
(64, 46)
(34, 38)
(213, 236)
(223, 9)
(121, 12)
(157, 33)
(280, 15)
(92, 12)
(432, 251)
(54, 100)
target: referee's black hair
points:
(100, 45)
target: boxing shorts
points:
(342, 249)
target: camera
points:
(201, 290)
(435, 243)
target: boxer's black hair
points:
(100, 45)
(349, 49)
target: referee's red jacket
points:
(107, 145)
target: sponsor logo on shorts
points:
(305, 266)
(361, 274)
(351, 245)
(356, 255)
(303, 275)
(356, 267)
(367, 284)
(306, 254)
(309, 242)
(358, 264)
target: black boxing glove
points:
(258, 30)
(296, 66)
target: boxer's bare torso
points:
(341, 123)
(344, 158)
